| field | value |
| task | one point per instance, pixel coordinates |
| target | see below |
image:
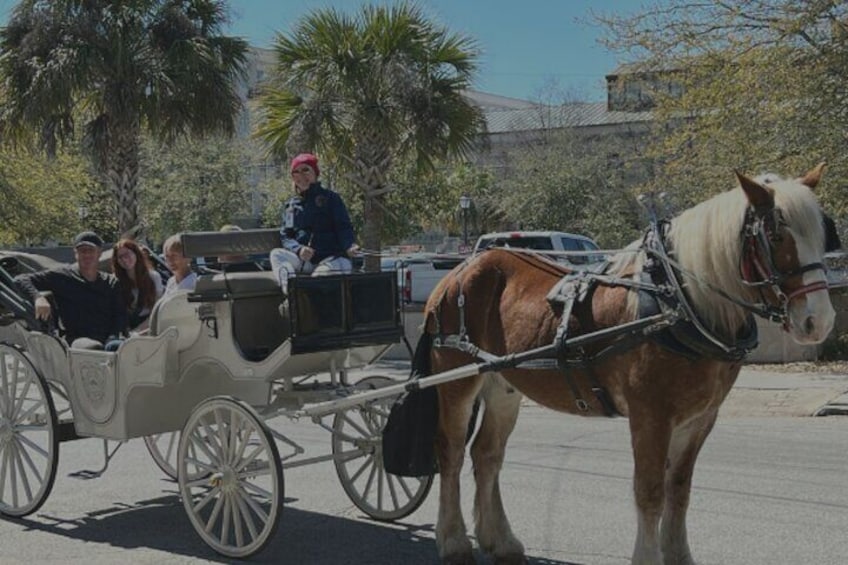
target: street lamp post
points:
(465, 204)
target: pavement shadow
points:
(302, 536)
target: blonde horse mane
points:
(705, 240)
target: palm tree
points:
(369, 90)
(118, 68)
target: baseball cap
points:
(87, 238)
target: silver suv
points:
(556, 241)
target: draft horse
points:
(757, 248)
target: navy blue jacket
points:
(317, 218)
(93, 309)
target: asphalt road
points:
(767, 490)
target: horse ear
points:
(813, 176)
(761, 197)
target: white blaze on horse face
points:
(811, 316)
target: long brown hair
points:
(146, 288)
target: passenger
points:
(235, 263)
(183, 278)
(317, 236)
(91, 307)
(141, 285)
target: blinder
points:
(831, 236)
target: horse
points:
(757, 247)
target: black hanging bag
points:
(410, 432)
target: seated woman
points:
(140, 284)
(183, 278)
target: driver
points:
(90, 303)
(317, 235)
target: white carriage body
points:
(232, 336)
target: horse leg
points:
(686, 443)
(455, 405)
(491, 525)
(650, 438)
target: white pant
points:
(287, 264)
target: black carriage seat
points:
(258, 325)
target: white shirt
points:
(186, 284)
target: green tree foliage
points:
(195, 185)
(368, 91)
(120, 68)
(742, 84)
(42, 200)
(566, 182)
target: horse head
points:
(783, 253)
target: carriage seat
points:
(257, 324)
(226, 286)
(174, 310)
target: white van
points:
(544, 241)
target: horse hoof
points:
(514, 559)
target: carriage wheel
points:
(163, 450)
(230, 477)
(358, 451)
(29, 444)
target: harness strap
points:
(560, 340)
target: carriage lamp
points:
(465, 204)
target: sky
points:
(526, 44)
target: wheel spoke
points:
(199, 465)
(38, 404)
(225, 521)
(240, 496)
(201, 442)
(365, 465)
(258, 510)
(213, 516)
(257, 489)
(29, 461)
(34, 446)
(20, 403)
(5, 455)
(237, 522)
(13, 474)
(247, 460)
(212, 493)
(172, 441)
(22, 473)
(355, 426)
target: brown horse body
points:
(671, 400)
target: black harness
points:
(665, 314)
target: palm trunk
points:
(372, 163)
(121, 177)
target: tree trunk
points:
(373, 214)
(121, 177)
(371, 163)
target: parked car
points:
(418, 274)
(545, 241)
(20, 263)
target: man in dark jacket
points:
(317, 236)
(90, 304)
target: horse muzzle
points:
(810, 315)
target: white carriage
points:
(216, 364)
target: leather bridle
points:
(760, 233)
